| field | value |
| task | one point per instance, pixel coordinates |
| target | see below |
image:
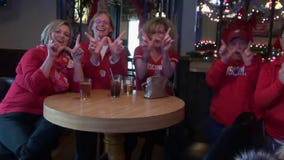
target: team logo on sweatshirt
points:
(102, 73)
(236, 71)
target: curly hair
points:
(150, 26)
(46, 33)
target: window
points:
(133, 41)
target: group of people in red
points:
(246, 107)
(54, 67)
(241, 83)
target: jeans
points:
(28, 136)
(215, 129)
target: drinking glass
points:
(85, 89)
(115, 86)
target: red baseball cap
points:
(238, 29)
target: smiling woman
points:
(49, 64)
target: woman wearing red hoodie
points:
(42, 71)
(232, 78)
(102, 57)
(269, 99)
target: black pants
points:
(27, 136)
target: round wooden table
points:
(113, 116)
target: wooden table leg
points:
(114, 146)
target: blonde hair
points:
(92, 21)
(150, 26)
(46, 33)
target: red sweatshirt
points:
(153, 65)
(269, 99)
(101, 74)
(233, 86)
(30, 86)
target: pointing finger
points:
(77, 41)
(248, 47)
(168, 31)
(223, 43)
(121, 34)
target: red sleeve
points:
(253, 70)
(216, 74)
(173, 56)
(268, 88)
(88, 67)
(138, 53)
(74, 86)
(30, 75)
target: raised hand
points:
(116, 46)
(54, 48)
(77, 51)
(95, 46)
(167, 41)
(146, 42)
(247, 55)
(224, 53)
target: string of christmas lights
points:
(232, 9)
(207, 50)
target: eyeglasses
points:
(158, 32)
(99, 21)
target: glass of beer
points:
(128, 85)
(115, 86)
(85, 89)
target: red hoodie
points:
(233, 86)
(269, 99)
(30, 86)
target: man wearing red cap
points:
(269, 98)
(232, 78)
